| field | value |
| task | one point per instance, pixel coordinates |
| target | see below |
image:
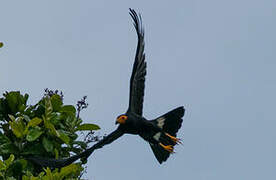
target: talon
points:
(167, 148)
(174, 139)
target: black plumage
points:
(161, 132)
(137, 80)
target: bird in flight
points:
(160, 132)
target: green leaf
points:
(56, 153)
(11, 178)
(34, 133)
(11, 117)
(41, 174)
(47, 117)
(68, 109)
(51, 127)
(9, 160)
(49, 174)
(16, 130)
(64, 137)
(27, 118)
(55, 119)
(2, 166)
(26, 97)
(1, 44)
(34, 122)
(56, 102)
(16, 101)
(48, 108)
(70, 169)
(23, 162)
(87, 127)
(35, 178)
(15, 169)
(18, 127)
(47, 144)
(25, 177)
(12, 100)
(4, 139)
(8, 148)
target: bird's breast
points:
(134, 126)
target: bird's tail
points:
(170, 123)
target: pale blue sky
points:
(216, 57)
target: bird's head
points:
(121, 119)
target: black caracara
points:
(160, 132)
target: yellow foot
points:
(167, 148)
(174, 139)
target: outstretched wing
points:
(109, 138)
(58, 163)
(106, 140)
(137, 80)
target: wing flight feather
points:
(137, 80)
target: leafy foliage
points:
(47, 129)
(70, 171)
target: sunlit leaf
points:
(52, 128)
(71, 169)
(56, 102)
(87, 127)
(24, 177)
(64, 137)
(34, 122)
(9, 160)
(49, 174)
(33, 134)
(11, 117)
(11, 178)
(68, 109)
(17, 127)
(48, 108)
(2, 165)
(56, 153)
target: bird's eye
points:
(123, 117)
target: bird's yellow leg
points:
(174, 139)
(167, 148)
